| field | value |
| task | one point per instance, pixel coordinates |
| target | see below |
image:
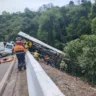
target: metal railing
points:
(39, 83)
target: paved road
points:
(3, 69)
(17, 84)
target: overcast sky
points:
(20, 5)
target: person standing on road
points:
(19, 50)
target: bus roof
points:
(38, 41)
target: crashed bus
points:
(44, 49)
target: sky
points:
(19, 5)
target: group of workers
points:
(37, 57)
(47, 59)
(20, 49)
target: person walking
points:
(19, 50)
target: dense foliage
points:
(52, 24)
(82, 53)
(71, 27)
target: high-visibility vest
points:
(30, 44)
(19, 48)
(36, 54)
(26, 43)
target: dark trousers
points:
(21, 58)
(47, 61)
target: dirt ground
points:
(69, 85)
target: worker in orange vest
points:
(47, 59)
(19, 50)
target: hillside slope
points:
(69, 85)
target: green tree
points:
(82, 53)
(93, 25)
(71, 3)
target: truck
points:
(6, 49)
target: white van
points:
(9, 48)
(2, 46)
(6, 50)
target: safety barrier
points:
(39, 83)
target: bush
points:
(82, 54)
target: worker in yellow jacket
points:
(36, 55)
(26, 45)
(63, 66)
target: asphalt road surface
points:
(3, 69)
(17, 83)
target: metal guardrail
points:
(39, 83)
